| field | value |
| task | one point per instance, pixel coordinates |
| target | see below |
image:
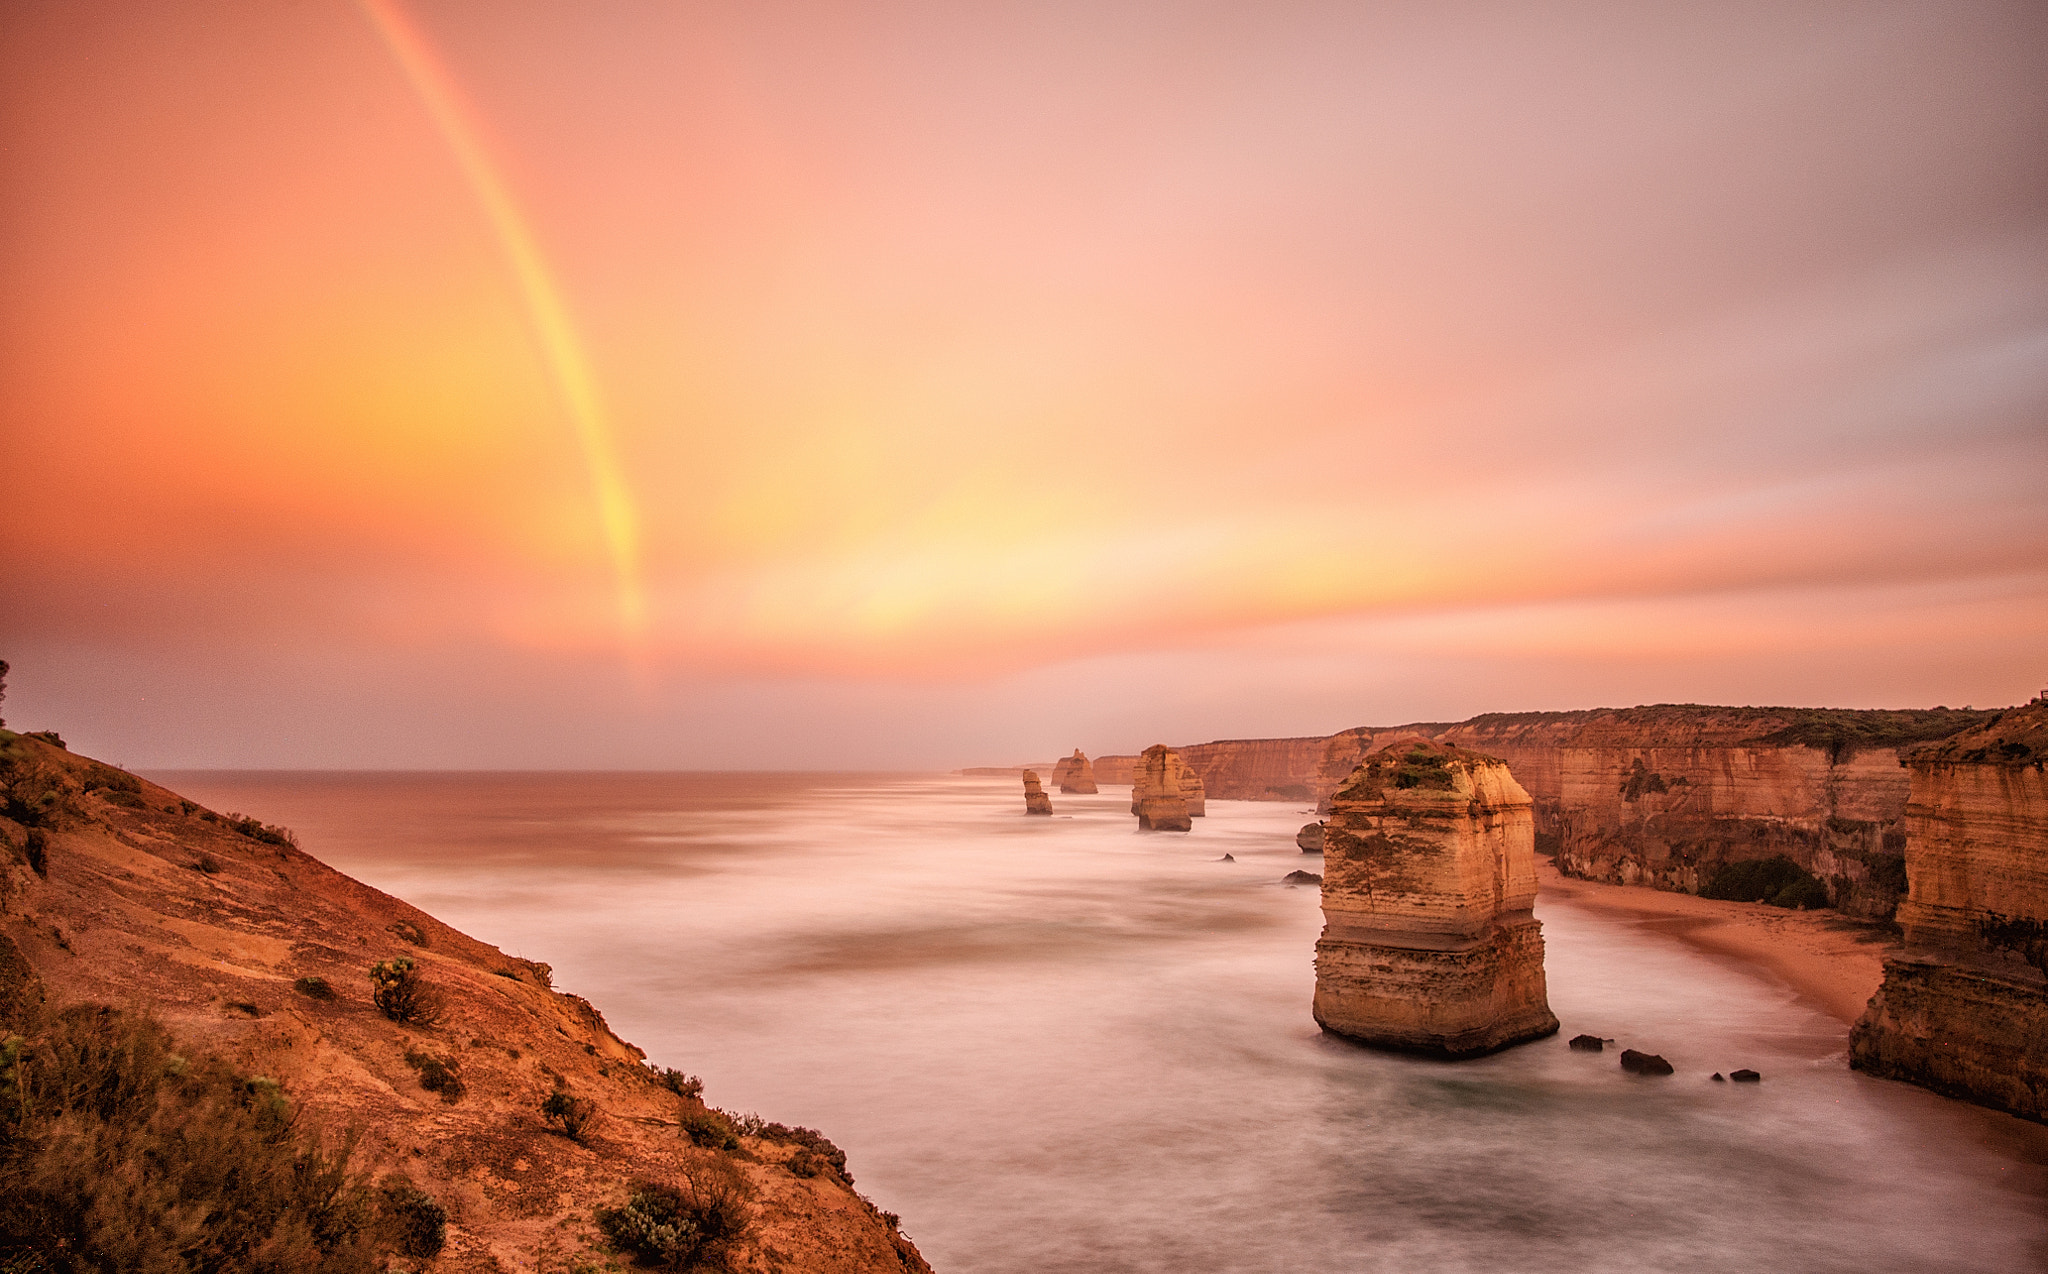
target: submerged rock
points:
(1228, 858)
(1643, 1063)
(1588, 1043)
(1156, 791)
(1301, 878)
(1745, 1077)
(1429, 944)
(1035, 799)
(1074, 776)
(1719, 1078)
(1310, 838)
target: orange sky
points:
(793, 384)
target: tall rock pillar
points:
(1035, 799)
(1429, 875)
(1074, 775)
(1157, 792)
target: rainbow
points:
(437, 90)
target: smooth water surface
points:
(1062, 1044)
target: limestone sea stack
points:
(1429, 875)
(1157, 791)
(1074, 776)
(1192, 792)
(1964, 1005)
(1310, 838)
(1035, 799)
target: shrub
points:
(808, 1139)
(401, 994)
(687, 1087)
(48, 736)
(38, 851)
(572, 1115)
(1423, 768)
(677, 1227)
(1778, 881)
(437, 1075)
(124, 798)
(411, 1220)
(257, 829)
(314, 988)
(206, 864)
(710, 1129)
(116, 1153)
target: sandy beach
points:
(1834, 962)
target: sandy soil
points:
(1832, 962)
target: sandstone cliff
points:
(1157, 791)
(1964, 1006)
(1192, 792)
(1074, 776)
(1665, 796)
(1429, 877)
(1035, 799)
(116, 891)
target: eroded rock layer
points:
(1157, 791)
(1192, 791)
(1074, 776)
(1429, 942)
(1035, 799)
(1964, 1006)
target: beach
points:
(1833, 963)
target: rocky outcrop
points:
(1664, 796)
(1964, 1005)
(252, 951)
(1035, 799)
(1310, 838)
(1429, 942)
(1074, 776)
(1157, 791)
(1192, 791)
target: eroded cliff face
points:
(1192, 791)
(1074, 776)
(1157, 791)
(116, 891)
(1661, 796)
(1964, 1006)
(1035, 799)
(1429, 877)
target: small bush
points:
(570, 1114)
(314, 988)
(206, 864)
(437, 1075)
(804, 1164)
(401, 994)
(808, 1139)
(258, 830)
(677, 1227)
(38, 851)
(48, 736)
(118, 1154)
(1422, 768)
(1778, 881)
(125, 799)
(709, 1129)
(687, 1087)
(411, 1220)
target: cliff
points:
(1035, 799)
(1667, 796)
(1192, 792)
(1074, 776)
(1157, 791)
(1429, 879)
(1964, 1005)
(115, 891)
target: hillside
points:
(116, 891)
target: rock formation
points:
(1665, 796)
(1074, 776)
(1964, 1005)
(1310, 838)
(1192, 792)
(118, 892)
(1035, 799)
(1429, 875)
(1157, 791)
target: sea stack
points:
(1074, 776)
(1156, 791)
(1310, 838)
(1964, 1005)
(1035, 799)
(1429, 874)
(1192, 792)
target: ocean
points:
(1060, 1044)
